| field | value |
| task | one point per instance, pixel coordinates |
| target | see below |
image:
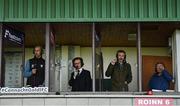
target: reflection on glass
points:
(13, 58)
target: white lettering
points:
(167, 102)
(12, 37)
(154, 102)
(24, 90)
(140, 102)
(160, 101)
(146, 102)
(151, 102)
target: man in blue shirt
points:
(161, 79)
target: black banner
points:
(13, 35)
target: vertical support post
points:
(23, 63)
(93, 57)
(1, 37)
(176, 58)
(139, 58)
(47, 63)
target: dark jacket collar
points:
(37, 58)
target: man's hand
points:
(125, 82)
(113, 61)
(162, 67)
(33, 71)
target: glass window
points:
(12, 57)
(111, 37)
(73, 40)
(157, 52)
(80, 55)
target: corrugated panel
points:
(1, 10)
(88, 10)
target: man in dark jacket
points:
(120, 72)
(35, 69)
(80, 79)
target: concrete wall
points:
(83, 100)
(66, 102)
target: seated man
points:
(161, 79)
(80, 78)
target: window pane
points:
(114, 37)
(156, 49)
(73, 40)
(13, 58)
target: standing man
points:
(120, 72)
(80, 78)
(35, 68)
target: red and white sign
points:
(154, 102)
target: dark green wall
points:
(89, 10)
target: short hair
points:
(78, 58)
(121, 51)
(157, 64)
(37, 47)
